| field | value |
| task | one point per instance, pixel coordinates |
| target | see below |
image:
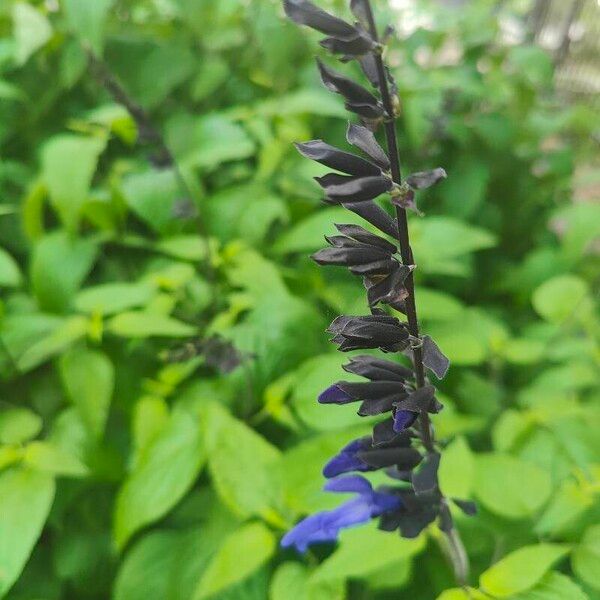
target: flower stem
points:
(455, 548)
(403, 235)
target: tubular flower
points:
(325, 526)
(370, 256)
(361, 455)
(371, 331)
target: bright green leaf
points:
(88, 377)
(560, 297)
(457, 469)
(245, 468)
(25, 500)
(87, 20)
(140, 324)
(50, 458)
(18, 425)
(510, 487)
(10, 275)
(292, 580)
(111, 298)
(586, 557)
(553, 586)
(58, 267)
(151, 196)
(146, 569)
(68, 165)
(161, 479)
(31, 30)
(521, 569)
(60, 338)
(242, 553)
(365, 550)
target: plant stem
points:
(456, 552)
(403, 235)
(148, 133)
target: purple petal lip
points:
(403, 419)
(325, 526)
(334, 395)
(352, 483)
(347, 460)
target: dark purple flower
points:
(364, 180)
(347, 460)
(404, 419)
(377, 330)
(325, 526)
(370, 256)
(334, 395)
(345, 38)
(385, 388)
(362, 455)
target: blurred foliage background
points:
(127, 474)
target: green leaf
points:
(292, 580)
(510, 487)
(245, 468)
(567, 505)
(365, 550)
(10, 275)
(138, 59)
(151, 195)
(60, 338)
(68, 165)
(521, 569)
(111, 298)
(441, 243)
(150, 416)
(59, 265)
(146, 570)
(457, 469)
(461, 594)
(560, 297)
(242, 553)
(25, 500)
(143, 324)
(553, 586)
(18, 425)
(31, 30)
(87, 19)
(464, 191)
(50, 458)
(88, 377)
(586, 557)
(208, 141)
(438, 306)
(167, 471)
(186, 247)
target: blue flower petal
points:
(325, 526)
(403, 419)
(334, 395)
(353, 483)
(347, 460)
(309, 530)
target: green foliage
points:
(124, 474)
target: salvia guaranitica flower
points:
(325, 526)
(402, 442)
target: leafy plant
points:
(132, 464)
